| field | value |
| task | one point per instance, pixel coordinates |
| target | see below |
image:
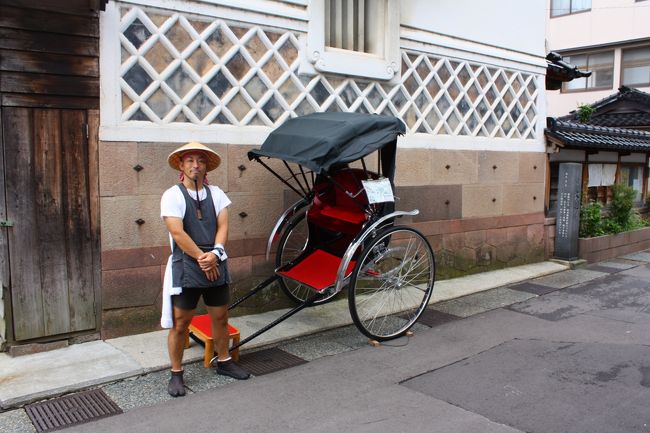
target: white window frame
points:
(318, 58)
(571, 11)
(642, 63)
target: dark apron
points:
(186, 271)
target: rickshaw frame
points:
(325, 144)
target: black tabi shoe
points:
(176, 386)
(230, 368)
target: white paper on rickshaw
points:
(378, 191)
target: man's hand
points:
(208, 263)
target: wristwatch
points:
(220, 252)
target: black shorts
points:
(212, 297)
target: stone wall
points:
(602, 248)
(480, 210)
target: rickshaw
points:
(341, 233)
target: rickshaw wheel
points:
(392, 283)
(292, 243)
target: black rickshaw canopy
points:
(320, 141)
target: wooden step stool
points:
(200, 328)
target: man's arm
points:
(207, 260)
(222, 227)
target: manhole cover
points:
(71, 410)
(433, 318)
(269, 360)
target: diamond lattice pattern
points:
(177, 69)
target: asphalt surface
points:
(567, 353)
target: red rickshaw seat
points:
(317, 270)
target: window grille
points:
(354, 25)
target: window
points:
(353, 25)
(632, 175)
(636, 66)
(353, 37)
(566, 7)
(601, 66)
(600, 179)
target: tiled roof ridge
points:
(555, 124)
(624, 92)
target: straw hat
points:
(214, 159)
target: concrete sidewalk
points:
(34, 377)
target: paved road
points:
(573, 357)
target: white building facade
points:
(611, 38)
(466, 78)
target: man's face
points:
(193, 165)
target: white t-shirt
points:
(172, 203)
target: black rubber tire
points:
(377, 294)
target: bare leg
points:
(225, 365)
(219, 323)
(177, 336)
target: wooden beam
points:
(16, 82)
(48, 63)
(41, 42)
(48, 101)
(47, 21)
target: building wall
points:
(472, 160)
(609, 23)
(519, 28)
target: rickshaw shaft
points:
(282, 318)
(259, 287)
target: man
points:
(196, 216)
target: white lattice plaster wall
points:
(200, 73)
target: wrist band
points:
(220, 252)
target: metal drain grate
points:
(433, 318)
(269, 360)
(70, 410)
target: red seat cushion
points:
(333, 209)
(347, 215)
(317, 270)
(202, 323)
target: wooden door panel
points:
(26, 297)
(4, 246)
(77, 214)
(51, 246)
(49, 221)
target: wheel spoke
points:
(393, 283)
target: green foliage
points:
(611, 227)
(647, 202)
(620, 208)
(621, 215)
(585, 111)
(591, 223)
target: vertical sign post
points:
(567, 222)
